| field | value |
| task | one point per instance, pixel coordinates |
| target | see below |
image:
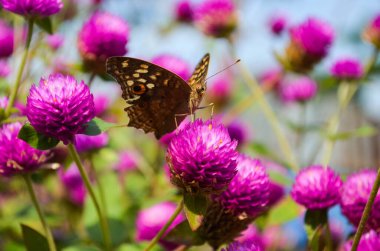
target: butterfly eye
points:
(139, 89)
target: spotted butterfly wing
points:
(197, 82)
(153, 94)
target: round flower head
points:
(202, 157)
(101, 103)
(220, 92)
(60, 107)
(85, 143)
(243, 246)
(247, 194)
(310, 42)
(102, 36)
(238, 132)
(354, 196)
(6, 39)
(271, 79)
(184, 11)
(128, 161)
(276, 193)
(217, 18)
(277, 24)
(372, 32)
(347, 69)
(174, 64)
(150, 221)
(55, 41)
(16, 156)
(368, 242)
(32, 8)
(300, 90)
(5, 69)
(317, 187)
(251, 234)
(74, 186)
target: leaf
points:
(117, 231)
(97, 126)
(314, 222)
(195, 206)
(262, 150)
(283, 212)
(45, 24)
(182, 234)
(135, 247)
(281, 60)
(364, 131)
(33, 239)
(36, 139)
(279, 178)
(81, 248)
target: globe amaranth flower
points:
(277, 23)
(243, 246)
(5, 69)
(368, 242)
(251, 234)
(271, 79)
(372, 32)
(202, 157)
(6, 39)
(238, 131)
(220, 92)
(85, 143)
(354, 196)
(32, 8)
(101, 102)
(217, 18)
(310, 43)
(276, 193)
(102, 36)
(347, 69)
(247, 194)
(317, 187)
(184, 11)
(55, 41)
(174, 64)
(128, 161)
(60, 107)
(16, 156)
(299, 90)
(73, 184)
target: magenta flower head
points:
(244, 246)
(5, 69)
(220, 92)
(238, 131)
(202, 157)
(101, 103)
(73, 184)
(369, 242)
(310, 43)
(16, 156)
(184, 11)
(6, 39)
(128, 161)
(247, 194)
(85, 143)
(271, 79)
(299, 90)
(104, 35)
(174, 64)
(60, 107)
(354, 196)
(277, 23)
(317, 187)
(276, 193)
(55, 41)
(216, 18)
(251, 234)
(347, 69)
(372, 32)
(150, 221)
(32, 8)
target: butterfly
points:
(156, 96)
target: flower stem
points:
(33, 197)
(372, 61)
(16, 86)
(366, 212)
(91, 79)
(100, 212)
(98, 183)
(154, 241)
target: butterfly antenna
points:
(237, 61)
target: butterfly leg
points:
(212, 105)
(178, 115)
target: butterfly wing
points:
(197, 82)
(154, 95)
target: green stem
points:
(86, 180)
(16, 86)
(366, 212)
(100, 187)
(329, 241)
(372, 61)
(33, 197)
(154, 241)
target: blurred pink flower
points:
(278, 23)
(347, 69)
(5, 69)
(299, 90)
(55, 41)
(184, 11)
(174, 64)
(372, 32)
(6, 39)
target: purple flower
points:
(3, 102)
(31, 8)
(369, 242)
(217, 18)
(243, 246)
(150, 221)
(55, 41)
(202, 157)
(101, 104)
(6, 39)
(247, 194)
(277, 23)
(251, 234)
(317, 187)
(74, 186)
(16, 156)
(347, 69)
(220, 92)
(238, 132)
(276, 193)
(60, 107)
(354, 196)
(271, 79)
(103, 35)
(372, 32)
(5, 69)
(174, 64)
(128, 161)
(184, 11)
(299, 90)
(85, 143)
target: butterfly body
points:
(154, 95)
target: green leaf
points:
(97, 126)
(194, 207)
(33, 239)
(136, 247)
(182, 234)
(314, 222)
(262, 150)
(279, 178)
(45, 24)
(364, 131)
(117, 231)
(283, 212)
(81, 248)
(36, 139)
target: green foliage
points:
(183, 234)
(315, 220)
(361, 132)
(195, 206)
(97, 126)
(45, 24)
(36, 139)
(33, 239)
(283, 212)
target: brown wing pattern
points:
(154, 95)
(197, 81)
